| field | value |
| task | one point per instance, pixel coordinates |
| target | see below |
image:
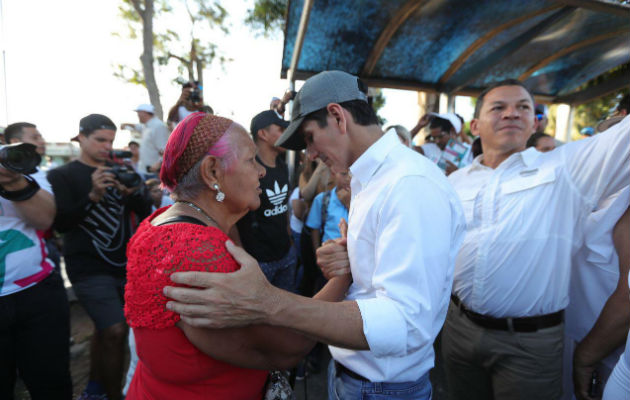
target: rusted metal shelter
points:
(457, 47)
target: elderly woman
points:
(210, 167)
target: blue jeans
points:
(343, 387)
(281, 273)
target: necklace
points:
(199, 210)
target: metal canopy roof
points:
(459, 46)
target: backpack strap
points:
(182, 218)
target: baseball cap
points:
(317, 92)
(146, 108)
(450, 117)
(264, 119)
(94, 122)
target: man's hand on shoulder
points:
(220, 300)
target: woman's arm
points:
(261, 346)
(308, 190)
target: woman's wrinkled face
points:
(241, 183)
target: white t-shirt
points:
(295, 222)
(23, 255)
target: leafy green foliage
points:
(267, 16)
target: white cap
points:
(452, 118)
(146, 108)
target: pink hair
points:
(177, 143)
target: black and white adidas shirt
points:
(264, 232)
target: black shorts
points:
(102, 296)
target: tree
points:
(267, 16)
(164, 46)
(142, 12)
(200, 53)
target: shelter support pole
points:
(564, 119)
(295, 57)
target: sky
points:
(60, 56)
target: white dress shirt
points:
(154, 137)
(595, 270)
(405, 227)
(525, 218)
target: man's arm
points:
(39, 210)
(422, 122)
(260, 346)
(611, 328)
(409, 278)
(245, 297)
(600, 165)
(70, 210)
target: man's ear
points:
(211, 171)
(536, 123)
(474, 127)
(339, 115)
(262, 134)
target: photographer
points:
(279, 105)
(190, 101)
(34, 314)
(95, 202)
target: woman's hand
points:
(219, 300)
(332, 256)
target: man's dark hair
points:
(444, 124)
(15, 131)
(506, 82)
(533, 139)
(624, 104)
(133, 142)
(362, 114)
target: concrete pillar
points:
(563, 123)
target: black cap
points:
(264, 119)
(95, 122)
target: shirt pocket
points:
(467, 198)
(533, 180)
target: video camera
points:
(123, 173)
(20, 157)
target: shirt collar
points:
(527, 156)
(366, 165)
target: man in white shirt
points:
(401, 256)
(525, 214)
(598, 315)
(154, 137)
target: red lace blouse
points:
(169, 366)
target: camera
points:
(126, 175)
(116, 155)
(20, 157)
(195, 96)
(123, 173)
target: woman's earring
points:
(220, 195)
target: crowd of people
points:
(498, 253)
